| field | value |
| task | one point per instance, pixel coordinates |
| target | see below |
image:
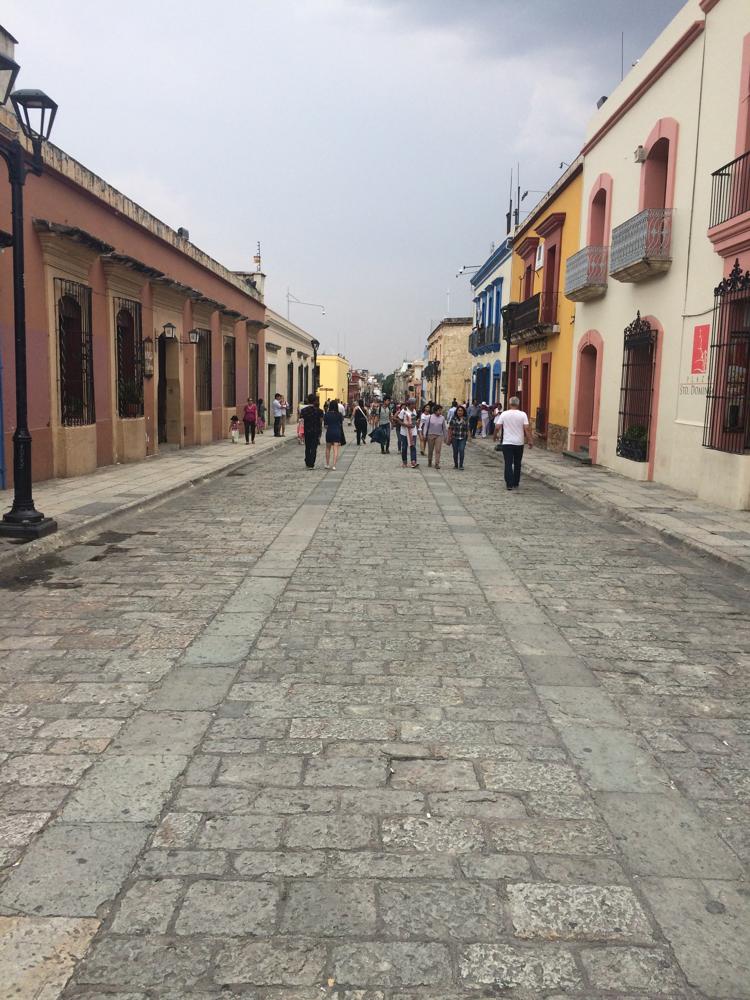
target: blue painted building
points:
(491, 285)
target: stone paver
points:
(276, 741)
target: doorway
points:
(584, 436)
(526, 385)
(168, 416)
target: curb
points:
(23, 555)
(669, 535)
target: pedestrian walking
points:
(514, 424)
(496, 426)
(407, 429)
(234, 428)
(473, 415)
(334, 424)
(484, 417)
(423, 418)
(277, 412)
(284, 415)
(360, 423)
(451, 410)
(384, 417)
(458, 433)
(250, 420)
(261, 416)
(435, 432)
(311, 417)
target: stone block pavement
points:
(716, 532)
(82, 505)
(377, 734)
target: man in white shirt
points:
(514, 426)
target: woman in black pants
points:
(360, 423)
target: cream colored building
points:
(660, 389)
(448, 370)
(333, 378)
(289, 360)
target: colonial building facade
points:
(539, 319)
(662, 349)
(137, 340)
(448, 369)
(492, 286)
(289, 360)
(333, 378)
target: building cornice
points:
(670, 57)
(495, 260)
(547, 227)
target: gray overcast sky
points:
(366, 143)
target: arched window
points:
(75, 354)
(656, 170)
(129, 358)
(598, 218)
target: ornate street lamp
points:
(8, 66)
(36, 113)
(315, 344)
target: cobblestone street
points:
(374, 734)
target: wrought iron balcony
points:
(730, 191)
(642, 246)
(586, 274)
(533, 318)
(484, 338)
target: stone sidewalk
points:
(712, 531)
(83, 505)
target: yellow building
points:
(539, 319)
(333, 378)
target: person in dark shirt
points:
(311, 416)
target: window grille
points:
(129, 357)
(203, 394)
(75, 353)
(230, 369)
(636, 391)
(727, 423)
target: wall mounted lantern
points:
(170, 331)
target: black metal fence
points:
(230, 371)
(730, 190)
(636, 391)
(203, 393)
(727, 423)
(129, 334)
(75, 353)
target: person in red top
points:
(250, 420)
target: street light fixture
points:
(8, 66)
(36, 113)
(315, 344)
(170, 331)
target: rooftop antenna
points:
(518, 193)
(257, 259)
(509, 216)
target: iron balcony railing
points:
(642, 245)
(484, 336)
(586, 274)
(533, 317)
(730, 190)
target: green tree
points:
(388, 384)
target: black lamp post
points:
(315, 344)
(36, 113)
